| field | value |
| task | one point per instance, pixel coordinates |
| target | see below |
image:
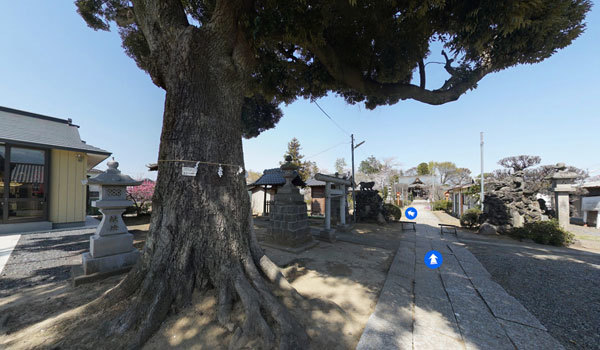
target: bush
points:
(442, 205)
(543, 232)
(470, 218)
(392, 211)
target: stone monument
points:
(111, 247)
(562, 185)
(288, 217)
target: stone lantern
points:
(562, 185)
(289, 221)
(111, 248)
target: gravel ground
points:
(41, 258)
(560, 286)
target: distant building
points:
(412, 187)
(590, 204)
(462, 201)
(42, 163)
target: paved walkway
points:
(456, 306)
(7, 244)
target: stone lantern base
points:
(109, 263)
(289, 224)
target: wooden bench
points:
(410, 223)
(449, 228)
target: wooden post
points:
(265, 202)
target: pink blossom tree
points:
(141, 195)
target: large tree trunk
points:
(200, 235)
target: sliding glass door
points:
(24, 173)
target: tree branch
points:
(421, 74)
(161, 21)
(351, 76)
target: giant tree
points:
(225, 67)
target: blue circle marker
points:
(410, 213)
(433, 259)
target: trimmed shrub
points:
(470, 218)
(392, 211)
(442, 205)
(543, 232)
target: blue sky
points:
(52, 63)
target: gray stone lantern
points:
(562, 185)
(111, 248)
(289, 221)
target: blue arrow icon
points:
(410, 213)
(433, 259)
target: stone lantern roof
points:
(562, 173)
(113, 177)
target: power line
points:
(328, 116)
(328, 149)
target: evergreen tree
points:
(306, 169)
(423, 169)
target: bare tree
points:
(518, 163)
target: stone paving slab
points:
(390, 325)
(526, 338)
(436, 315)
(503, 305)
(456, 306)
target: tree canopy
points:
(371, 52)
(518, 163)
(340, 165)
(369, 166)
(423, 169)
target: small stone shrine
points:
(289, 221)
(111, 248)
(562, 185)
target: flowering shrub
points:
(141, 196)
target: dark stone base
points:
(295, 250)
(289, 225)
(327, 235)
(78, 277)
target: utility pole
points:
(482, 183)
(353, 182)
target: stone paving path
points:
(456, 306)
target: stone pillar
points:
(562, 185)
(111, 247)
(343, 209)
(288, 217)
(328, 206)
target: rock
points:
(380, 218)
(488, 229)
